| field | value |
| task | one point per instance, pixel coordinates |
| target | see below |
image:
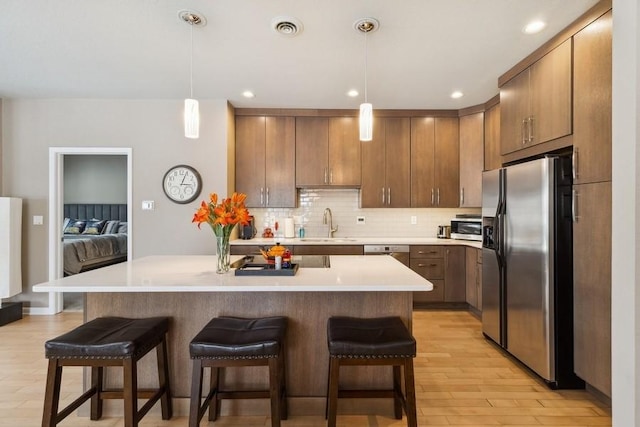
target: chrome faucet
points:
(327, 218)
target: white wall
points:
(626, 213)
(152, 128)
(95, 179)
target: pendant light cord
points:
(365, 66)
(191, 64)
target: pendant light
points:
(191, 106)
(366, 26)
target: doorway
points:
(56, 207)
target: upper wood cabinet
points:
(492, 158)
(535, 106)
(434, 162)
(327, 152)
(592, 102)
(471, 159)
(265, 160)
(386, 166)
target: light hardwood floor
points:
(461, 380)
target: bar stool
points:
(234, 342)
(104, 342)
(375, 341)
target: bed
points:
(94, 236)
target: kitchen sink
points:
(332, 240)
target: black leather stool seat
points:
(107, 342)
(109, 338)
(227, 342)
(238, 338)
(386, 341)
(376, 337)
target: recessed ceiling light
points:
(534, 27)
(353, 93)
(457, 94)
(248, 94)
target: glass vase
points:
(223, 252)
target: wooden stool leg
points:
(334, 374)
(284, 410)
(274, 390)
(410, 393)
(130, 393)
(97, 375)
(214, 403)
(397, 392)
(196, 393)
(52, 394)
(163, 379)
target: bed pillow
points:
(75, 226)
(94, 226)
(65, 223)
(122, 228)
(111, 227)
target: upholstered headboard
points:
(106, 211)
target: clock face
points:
(182, 184)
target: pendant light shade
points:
(366, 25)
(191, 118)
(366, 122)
(191, 106)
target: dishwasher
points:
(399, 252)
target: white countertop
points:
(196, 273)
(357, 241)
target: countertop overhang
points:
(259, 241)
(196, 273)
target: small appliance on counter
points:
(248, 231)
(466, 227)
(444, 232)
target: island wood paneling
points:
(306, 347)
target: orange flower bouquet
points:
(222, 218)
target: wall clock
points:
(182, 184)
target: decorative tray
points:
(265, 270)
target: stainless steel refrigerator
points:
(527, 268)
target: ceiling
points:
(423, 50)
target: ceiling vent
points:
(286, 25)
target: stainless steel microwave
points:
(466, 228)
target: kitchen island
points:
(187, 289)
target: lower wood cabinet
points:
(592, 284)
(474, 277)
(444, 266)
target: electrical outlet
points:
(414, 220)
(360, 220)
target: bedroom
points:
(95, 212)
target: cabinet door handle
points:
(325, 175)
(530, 120)
(523, 131)
(383, 195)
(389, 196)
(438, 203)
(574, 163)
(422, 265)
(261, 196)
(462, 196)
(574, 205)
(267, 196)
(432, 198)
(331, 176)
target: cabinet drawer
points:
(428, 268)
(436, 295)
(427, 252)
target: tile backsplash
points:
(344, 205)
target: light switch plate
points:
(147, 205)
(414, 220)
(38, 220)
